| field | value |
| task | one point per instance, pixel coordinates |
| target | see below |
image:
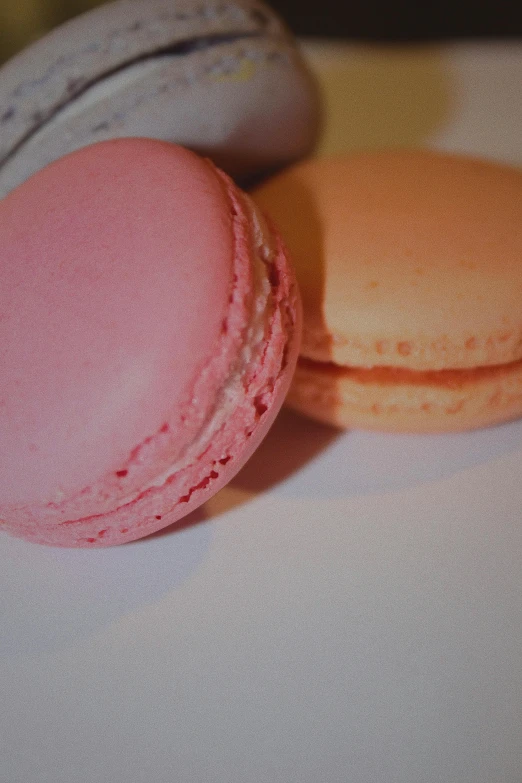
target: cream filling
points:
(451, 378)
(253, 344)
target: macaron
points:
(149, 328)
(410, 267)
(224, 79)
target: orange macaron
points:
(410, 267)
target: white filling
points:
(226, 401)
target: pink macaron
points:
(149, 328)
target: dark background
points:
(389, 21)
(375, 20)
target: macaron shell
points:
(59, 66)
(108, 312)
(388, 400)
(242, 431)
(223, 79)
(143, 359)
(405, 258)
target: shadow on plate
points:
(293, 442)
(354, 462)
(293, 446)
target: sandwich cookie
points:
(149, 328)
(410, 267)
(224, 79)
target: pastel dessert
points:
(410, 267)
(149, 328)
(225, 79)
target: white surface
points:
(348, 610)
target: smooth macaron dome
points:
(225, 79)
(149, 327)
(410, 267)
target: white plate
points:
(349, 610)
